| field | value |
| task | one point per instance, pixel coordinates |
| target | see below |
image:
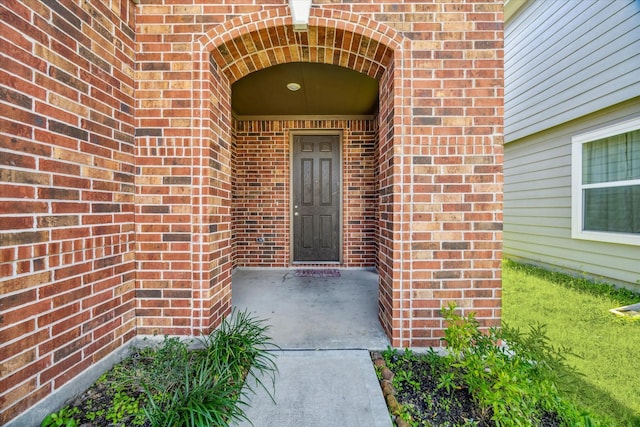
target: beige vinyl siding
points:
(565, 59)
(537, 203)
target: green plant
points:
(65, 417)
(447, 382)
(390, 356)
(378, 371)
(170, 385)
(405, 414)
(209, 397)
(159, 367)
(405, 377)
(241, 342)
(209, 386)
(125, 408)
(91, 416)
(517, 385)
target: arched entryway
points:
(254, 42)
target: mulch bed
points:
(430, 406)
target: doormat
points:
(314, 272)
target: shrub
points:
(513, 384)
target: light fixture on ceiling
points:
(293, 86)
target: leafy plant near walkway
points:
(513, 385)
(480, 382)
(171, 385)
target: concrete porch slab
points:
(313, 312)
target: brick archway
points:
(249, 43)
(253, 42)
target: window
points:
(606, 184)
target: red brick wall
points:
(78, 183)
(261, 188)
(452, 176)
(388, 173)
(67, 167)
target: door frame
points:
(292, 134)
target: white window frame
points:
(577, 203)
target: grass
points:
(605, 347)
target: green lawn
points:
(607, 348)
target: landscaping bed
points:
(478, 381)
(171, 384)
(418, 398)
(423, 402)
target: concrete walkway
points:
(325, 327)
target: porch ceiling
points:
(324, 90)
